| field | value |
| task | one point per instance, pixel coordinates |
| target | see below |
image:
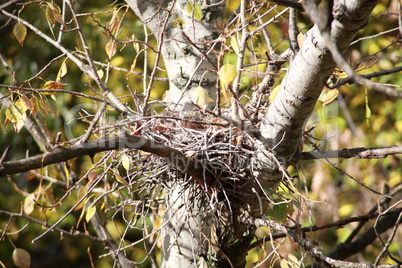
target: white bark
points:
(187, 44)
(285, 119)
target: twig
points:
(116, 104)
(361, 153)
(70, 233)
(158, 57)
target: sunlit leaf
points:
(111, 48)
(20, 32)
(21, 258)
(90, 212)
(227, 73)
(114, 21)
(29, 204)
(234, 44)
(273, 93)
(200, 97)
(330, 96)
(54, 85)
(368, 110)
(15, 113)
(346, 210)
(284, 264)
(125, 161)
(62, 71)
(194, 8)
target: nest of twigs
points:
(220, 148)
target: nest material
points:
(221, 148)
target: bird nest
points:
(221, 149)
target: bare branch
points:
(361, 153)
(46, 224)
(90, 148)
(83, 67)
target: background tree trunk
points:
(188, 53)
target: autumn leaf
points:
(227, 74)
(111, 48)
(330, 96)
(21, 258)
(20, 32)
(200, 97)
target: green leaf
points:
(193, 8)
(20, 32)
(280, 212)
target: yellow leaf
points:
(62, 71)
(20, 32)
(21, 258)
(15, 113)
(90, 212)
(284, 264)
(227, 73)
(368, 110)
(200, 97)
(235, 44)
(194, 8)
(330, 96)
(29, 204)
(125, 161)
(81, 193)
(346, 210)
(273, 93)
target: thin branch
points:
(361, 153)
(318, 16)
(74, 93)
(90, 148)
(338, 224)
(69, 233)
(368, 76)
(83, 67)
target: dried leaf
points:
(111, 48)
(62, 71)
(114, 21)
(20, 32)
(53, 85)
(21, 258)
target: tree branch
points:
(173, 156)
(361, 153)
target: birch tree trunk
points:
(192, 236)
